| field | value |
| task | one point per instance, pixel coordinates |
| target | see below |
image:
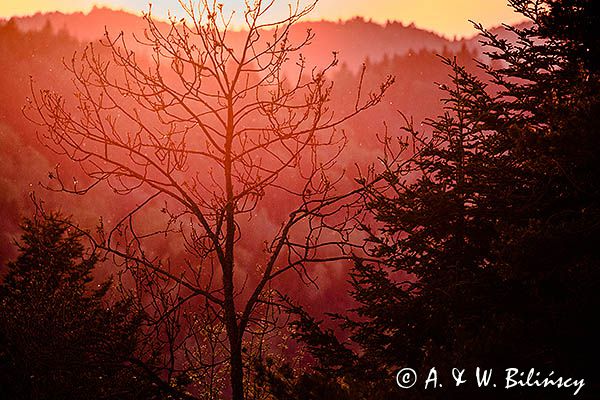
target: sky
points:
(448, 17)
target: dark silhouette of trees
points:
(208, 133)
(60, 338)
(488, 236)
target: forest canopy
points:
(238, 220)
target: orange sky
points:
(449, 17)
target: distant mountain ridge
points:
(36, 47)
(355, 40)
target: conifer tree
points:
(487, 238)
(61, 339)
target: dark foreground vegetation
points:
(473, 242)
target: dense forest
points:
(278, 213)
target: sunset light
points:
(450, 18)
(315, 200)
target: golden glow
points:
(448, 17)
(9, 8)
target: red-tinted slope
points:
(355, 40)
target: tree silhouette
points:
(487, 235)
(208, 133)
(60, 337)
(436, 292)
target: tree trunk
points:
(233, 332)
(237, 372)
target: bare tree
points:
(209, 127)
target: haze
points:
(450, 18)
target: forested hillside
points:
(298, 209)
